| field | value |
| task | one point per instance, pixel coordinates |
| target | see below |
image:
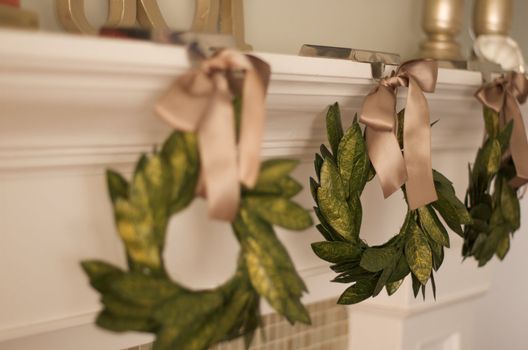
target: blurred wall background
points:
(383, 25)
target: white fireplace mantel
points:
(72, 106)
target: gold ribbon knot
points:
(503, 95)
(202, 101)
(414, 166)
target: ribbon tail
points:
(417, 149)
(386, 157)
(518, 141)
(252, 128)
(217, 146)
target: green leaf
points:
(274, 170)
(270, 268)
(143, 290)
(101, 274)
(352, 160)
(334, 236)
(336, 252)
(114, 323)
(285, 187)
(334, 128)
(360, 291)
(393, 287)
(325, 232)
(489, 247)
(416, 285)
(383, 279)
(418, 254)
(331, 181)
(505, 136)
(433, 285)
(326, 153)
(488, 159)
(503, 247)
(438, 254)
(356, 210)
(443, 181)
(509, 204)
(318, 164)
(117, 185)
(124, 309)
(313, 188)
(431, 225)
(190, 324)
(401, 270)
(332, 201)
(180, 153)
(280, 211)
(452, 210)
(481, 211)
(491, 119)
(352, 274)
(376, 259)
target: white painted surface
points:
(73, 106)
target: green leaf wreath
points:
(493, 204)
(418, 249)
(144, 298)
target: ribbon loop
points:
(503, 95)
(414, 166)
(201, 101)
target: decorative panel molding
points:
(73, 106)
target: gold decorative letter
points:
(122, 13)
(221, 16)
(149, 14)
(73, 18)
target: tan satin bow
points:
(503, 95)
(201, 101)
(378, 113)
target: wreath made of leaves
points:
(492, 202)
(144, 298)
(418, 249)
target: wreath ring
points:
(492, 201)
(418, 249)
(144, 298)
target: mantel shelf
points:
(95, 85)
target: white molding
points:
(46, 71)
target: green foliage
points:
(492, 202)
(143, 298)
(417, 250)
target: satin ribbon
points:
(202, 101)
(414, 166)
(503, 95)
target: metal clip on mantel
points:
(377, 60)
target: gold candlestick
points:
(221, 16)
(492, 17)
(442, 21)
